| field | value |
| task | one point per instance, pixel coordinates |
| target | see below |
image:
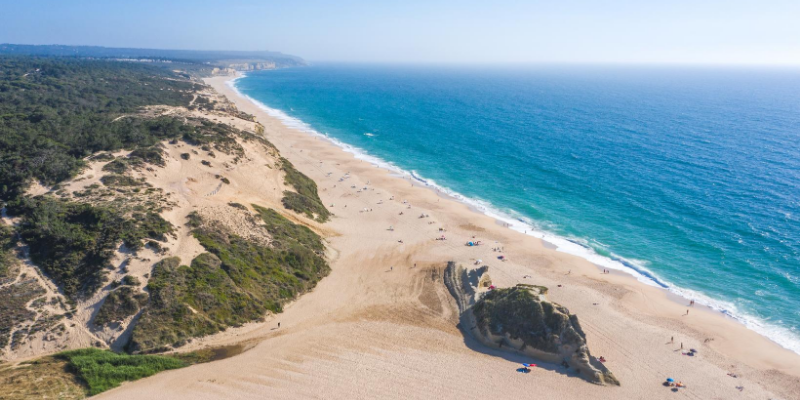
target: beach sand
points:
(379, 327)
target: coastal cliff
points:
(520, 319)
(234, 67)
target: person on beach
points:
(279, 325)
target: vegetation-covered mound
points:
(57, 115)
(520, 319)
(7, 242)
(120, 304)
(306, 199)
(237, 281)
(74, 242)
(53, 113)
(518, 313)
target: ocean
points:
(686, 177)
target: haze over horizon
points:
(443, 31)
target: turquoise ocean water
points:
(688, 178)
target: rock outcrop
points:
(520, 319)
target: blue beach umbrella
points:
(670, 380)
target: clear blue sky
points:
(450, 31)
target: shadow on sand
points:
(509, 354)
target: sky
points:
(434, 31)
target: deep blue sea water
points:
(687, 177)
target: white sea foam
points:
(574, 246)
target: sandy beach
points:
(383, 325)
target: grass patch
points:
(306, 199)
(45, 378)
(64, 376)
(118, 166)
(102, 370)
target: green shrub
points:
(118, 166)
(102, 157)
(130, 280)
(73, 242)
(235, 282)
(284, 232)
(151, 155)
(119, 180)
(306, 199)
(238, 205)
(304, 205)
(146, 225)
(120, 304)
(7, 242)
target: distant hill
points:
(237, 60)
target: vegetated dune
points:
(145, 250)
(102, 241)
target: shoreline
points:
(668, 295)
(677, 294)
(382, 325)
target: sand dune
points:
(381, 327)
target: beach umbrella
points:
(670, 380)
